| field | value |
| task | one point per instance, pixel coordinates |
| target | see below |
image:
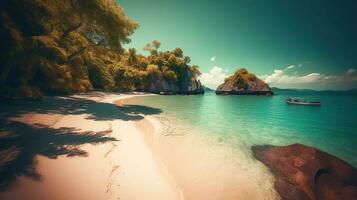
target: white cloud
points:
(289, 67)
(351, 72)
(281, 79)
(213, 58)
(214, 77)
(279, 76)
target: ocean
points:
(205, 140)
(243, 121)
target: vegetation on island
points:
(243, 82)
(241, 78)
(68, 46)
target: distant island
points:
(207, 89)
(243, 83)
(310, 91)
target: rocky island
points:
(244, 83)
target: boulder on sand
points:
(303, 172)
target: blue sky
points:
(290, 44)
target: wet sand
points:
(113, 163)
(201, 165)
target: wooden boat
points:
(300, 101)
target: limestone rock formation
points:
(188, 85)
(244, 83)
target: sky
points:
(288, 43)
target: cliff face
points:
(244, 83)
(188, 85)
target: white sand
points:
(142, 164)
(204, 168)
(123, 169)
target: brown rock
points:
(189, 85)
(303, 172)
(244, 83)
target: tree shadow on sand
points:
(72, 105)
(20, 143)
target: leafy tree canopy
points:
(66, 46)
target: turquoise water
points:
(243, 121)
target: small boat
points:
(301, 101)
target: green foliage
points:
(171, 66)
(129, 78)
(132, 56)
(74, 46)
(186, 60)
(178, 52)
(241, 78)
(100, 78)
(152, 46)
(61, 46)
(195, 70)
(169, 75)
(242, 71)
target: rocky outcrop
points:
(188, 85)
(161, 85)
(244, 83)
(303, 172)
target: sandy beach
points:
(178, 100)
(104, 146)
(91, 150)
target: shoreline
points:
(110, 170)
(280, 180)
(150, 127)
(162, 166)
(203, 168)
